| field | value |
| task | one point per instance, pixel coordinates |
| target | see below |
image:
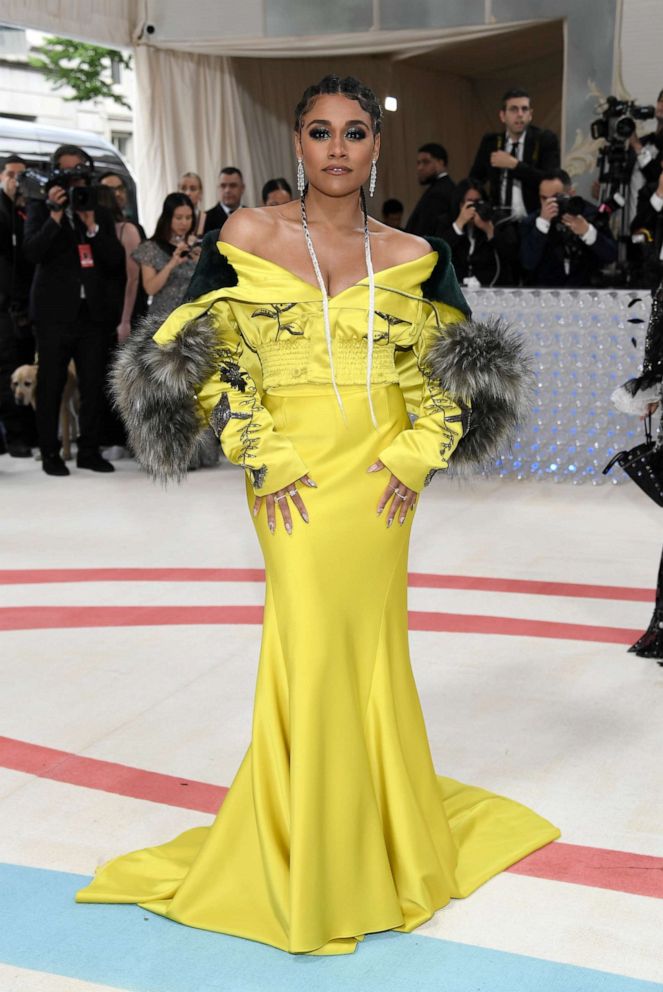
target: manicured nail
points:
(288, 527)
(305, 517)
(372, 468)
(272, 527)
(255, 511)
(390, 522)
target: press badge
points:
(86, 256)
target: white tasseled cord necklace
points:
(325, 304)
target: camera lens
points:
(624, 127)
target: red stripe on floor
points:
(31, 576)
(599, 868)
(421, 580)
(107, 776)
(61, 617)
(605, 869)
(58, 617)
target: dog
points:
(24, 391)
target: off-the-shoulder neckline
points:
(222, 245)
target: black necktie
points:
(508, 192)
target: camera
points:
(619, 117)
(616, 124)
(484, 210)
(34, 185)
(566, 204)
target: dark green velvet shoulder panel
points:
(442, 284)
(213, 271)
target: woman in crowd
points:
(167, 260)
(475, 241)
(191, 184)
(336, 824)
(275, 192)
(643, 396)
(128, 234)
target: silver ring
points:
(292, 492)
(278, 498)
(400, 495)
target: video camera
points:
(616, 124)
(34, 185)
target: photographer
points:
(647, 232)
(564, 244)
(479, 251)
(17, 344)
(168, 259)
(76, 302)
(648, 151)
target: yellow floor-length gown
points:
(336, 824)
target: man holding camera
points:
(75, 302)
(564, 244)
(17, 343)
(647, 232)
(479, 254)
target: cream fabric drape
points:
(188, 118)
(407, 42)
(103, 22)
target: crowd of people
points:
(77, 273)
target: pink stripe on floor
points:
(620, 871)
(62, 617)
(108, 776)
(421, 580)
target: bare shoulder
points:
(254, 228)
(397, 246)
(248, 227)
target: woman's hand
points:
(180, 254)
(280, 499)
(402, 498)
(467, 213)
(123, 331)
(651, 409)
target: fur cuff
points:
(154, 388)
(631, 398)
(485, 364)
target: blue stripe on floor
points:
(42, 928)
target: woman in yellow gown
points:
(336, 824)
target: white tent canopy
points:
(208, 95)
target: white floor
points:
(573, 728)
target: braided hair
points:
(347, 86)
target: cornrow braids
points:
(347, 86)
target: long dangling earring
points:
(301, 178)
(374, 178)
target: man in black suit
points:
(17, 343)
(432, 173)
(76, 302)
(647, 228)
(230, 189)
(564, 250)
(514, 160)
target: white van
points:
(37, 142)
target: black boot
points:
(650, 645)
(93, 461)
(53, 465)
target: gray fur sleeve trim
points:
(484, 363)
(154, 389)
